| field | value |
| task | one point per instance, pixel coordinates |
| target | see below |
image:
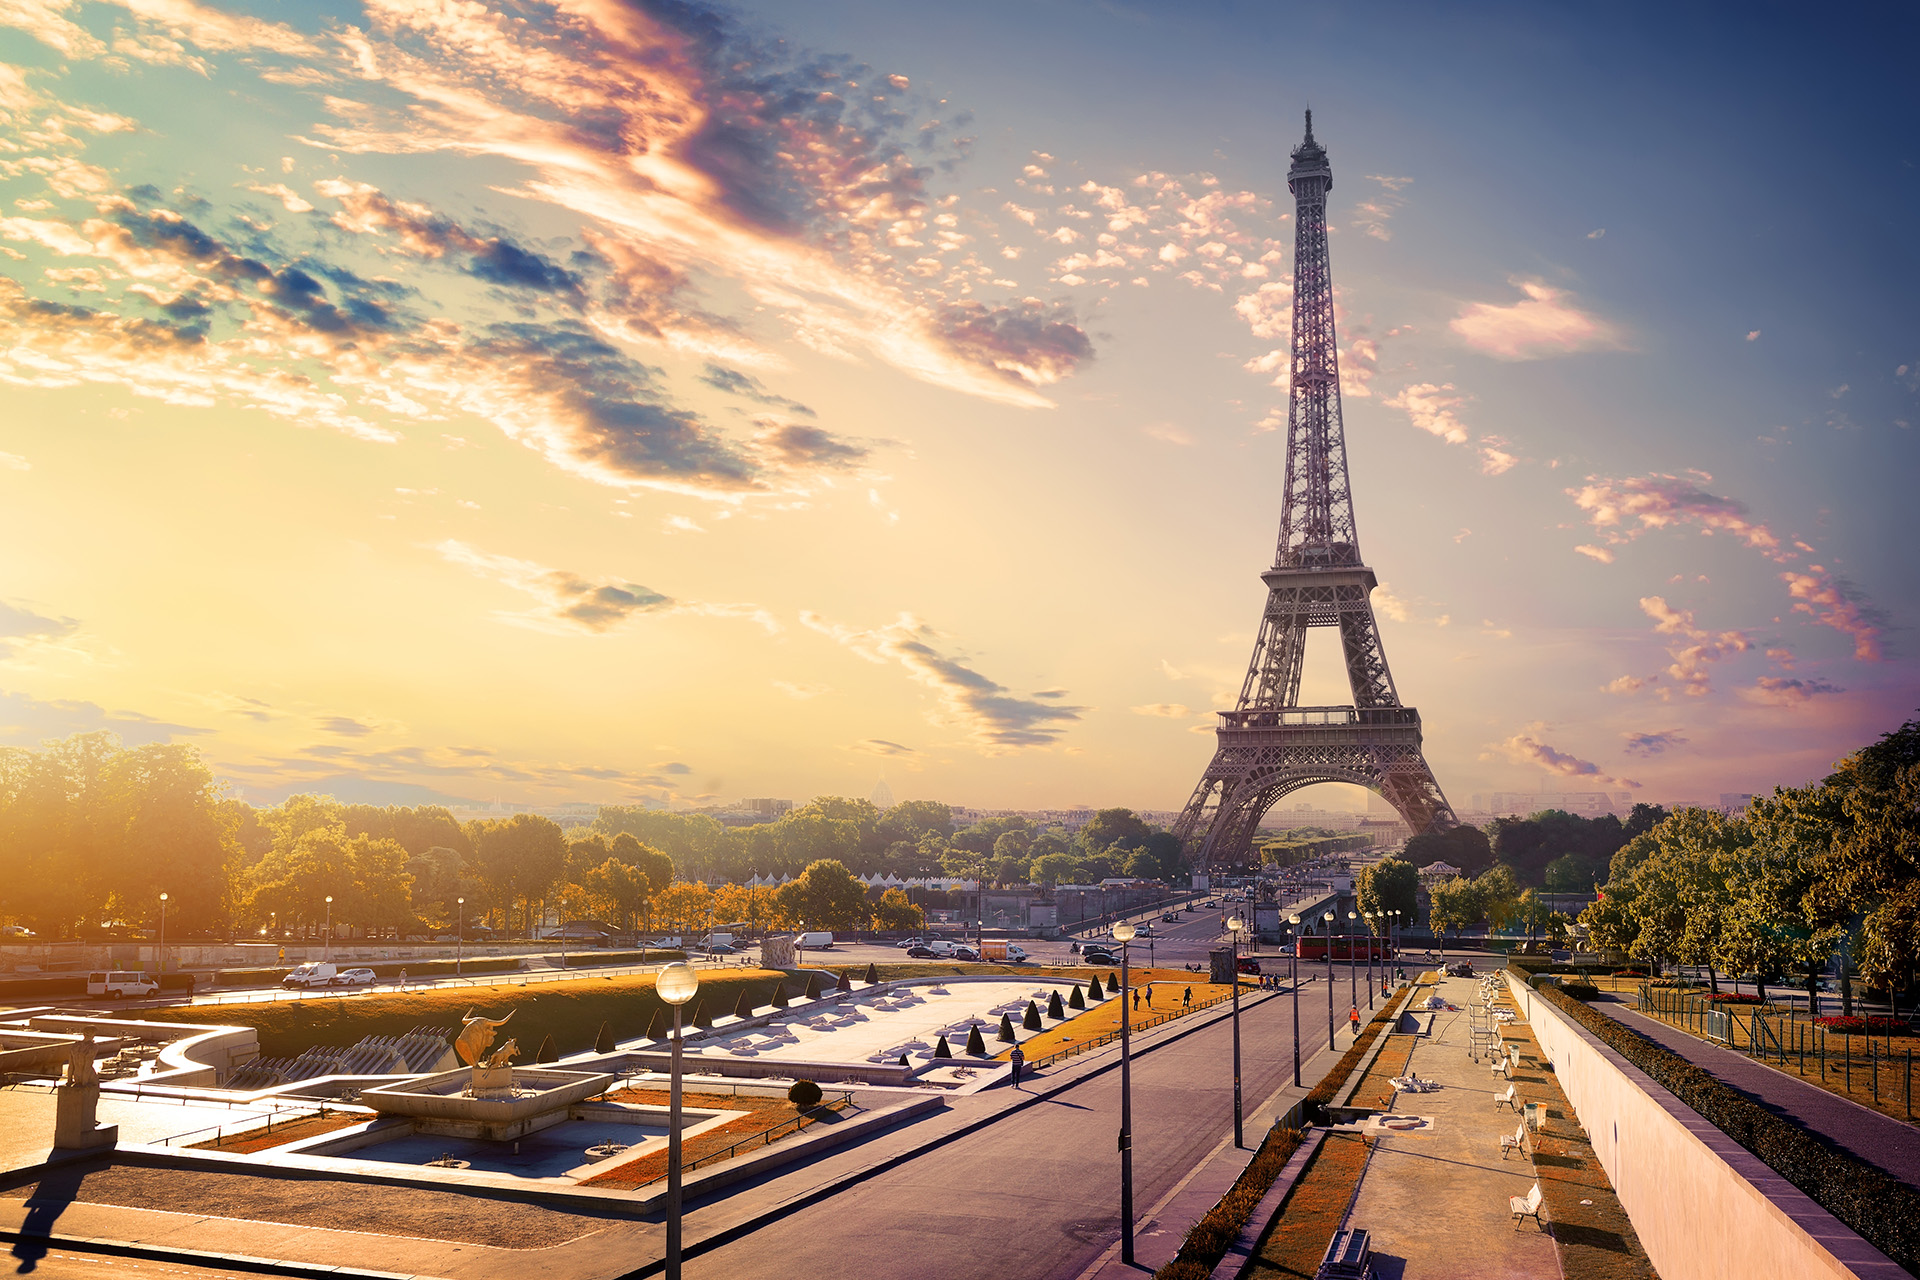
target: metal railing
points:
(764, 1138)
(1134, 1024)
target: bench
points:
(1518, 1138)
(1527, 1206)
(1507, 1099)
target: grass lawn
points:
(1314, 1210)
(1104, 1018)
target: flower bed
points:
(1735, 997)
(1874, 1025)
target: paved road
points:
(1879, 1140)
(1035, 1195)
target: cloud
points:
(1372, 214)
(1753, 335)
(1525, 748)
(1695, 649)
(801, 692)
(1621, 510)
(1170, 710)
(1597, 233)
(27, 719)
(1166, 433)
(1652, 744)
(566, 599)
(882, 747)
(1833, 602)
(1780, 691)
(992, 715)
(1601, 554)
(344, 726)
(21, 626)
(1544, 323)
(1430, 408)
(803, 448)
(14, 462)
(1033, 343)
(748, 387)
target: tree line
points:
(1806, 879)
(92, 832)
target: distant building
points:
(882, 795)
(1732, 802)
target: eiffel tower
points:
(1270, 745)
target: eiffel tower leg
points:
(1366, 656)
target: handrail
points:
(1140, 1024)
(765, 1137)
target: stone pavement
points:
(1435, 1199)
(1867, 1135)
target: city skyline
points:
(582, 403)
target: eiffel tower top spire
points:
(1317, 528)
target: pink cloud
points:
(1779, 691)
(1525, 748)
(1832, 604)
(1544, 323)
(1621, 510)
(1429, 407)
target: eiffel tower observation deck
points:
(1270, 745)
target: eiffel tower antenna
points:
(1270, 745)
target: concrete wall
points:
(1704, 1207)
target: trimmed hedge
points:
(1885, 1212)
(1875, 1024)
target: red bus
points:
(1345, 947)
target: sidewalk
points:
(1865, 1134)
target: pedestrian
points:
(1019, 1060)
(1353, 1016)
(1074, 949)
(1136, 999)
(1149, 995)
(1186, 998)
(403, 979)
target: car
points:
(18, 931)
(963, 953)
(1091, 956)
(722, 949)
(925, 953)
(1249, 965)
(1169, 918)
(905, 943)
(353, 978)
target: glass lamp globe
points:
(1124, 933)
(1235, 924)
(677, 982)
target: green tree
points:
(826, 896)
(1868, 877)
(1570, 873)
(1454, 904)
(1115, 828)
(1464, 847)
(519, 859)
(1680, 891)
(1053, 869)
(895, 911)
(1499, 895)
(1389, 885)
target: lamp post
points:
(1236, 926)
(1123, 934)
(326, 951)
(1329, 919)
(460, 936)
(1293, 976)
(676, 984)
(160, 953)
(1353, 966)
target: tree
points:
(1464, 847)
(1570, 873)
(1869, 874)
(1115, 828)
(519, 859)
(1499, 894)
(895, 912)
(1680, 890)
(826, 896)
(1389, 885)
(618, 890)
(1454, 904)
(1053, 869)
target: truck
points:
(119, 984)
(1002, 950)
(718, 939)
(816, 940)
(314, 973)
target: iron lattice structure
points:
(1270, 745)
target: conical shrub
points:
(1093, 989)
(941, 1049)
(660, 1026)
(903, 1061)
(873, 975)
(976, 1044)
(547, 1052)
(1054, 1008)
(846, 980)
(780, 995)
(1078, 1000)
(813, 986)
(701, 1018)
(1032, 1021)
(1006, 1029)
(1113, 982)
(744, 1009)
(603, 1043)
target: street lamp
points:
(676, 984)
(1329, 919)
(1353, 967)
(1293, 976)
(326, 952)
(1236, 926)
(1123, 934)
(460, 936)
(160, 954)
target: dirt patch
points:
(1313, 1210)
(327, 1204)
(773, 1116)
(283, 1132)
(1376, 1089)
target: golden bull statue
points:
(476, 1036)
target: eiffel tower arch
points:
(1270, 745)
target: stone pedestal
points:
(74, 1125)
(492, 1082)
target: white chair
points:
(1516, 1139)
(1507, 1100)
(1501, 1067)
(1526, 1207)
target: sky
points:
(666, 403)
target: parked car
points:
(1094, 956)
(922, 953)
(963, 953)
(1249, 965)
(905, 943)
(314, 973)
(722, 949)
(353, 978)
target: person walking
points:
(1149, 995)
(1136, 999)
(1186, 998)
(1019, 1059)
(1353, 1017)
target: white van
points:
(816, 940)
(118, 985)
(314, 973)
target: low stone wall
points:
(1704, 1206)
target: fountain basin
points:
(444, 1103)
